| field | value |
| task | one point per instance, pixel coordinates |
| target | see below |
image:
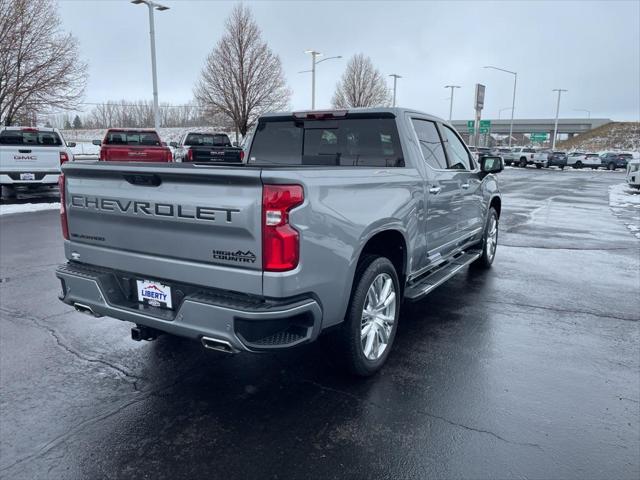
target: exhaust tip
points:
(86, 309)
(218, 345)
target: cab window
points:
(459, 158)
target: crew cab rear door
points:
(443, 199)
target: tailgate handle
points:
(144, 180)
(24, 151)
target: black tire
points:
(611, 166)
(7, 191)
(523, 162)
(348, 339)
(561, 167)
(538, 165)
(578, 164)
(488, 252)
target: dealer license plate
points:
(154, 293)
(27, 176)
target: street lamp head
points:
(313, 52)
(161, 7)
(137, 2)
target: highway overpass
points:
(569, 126)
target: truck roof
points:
(39, 129)
(397, 111)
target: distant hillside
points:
(611, 136)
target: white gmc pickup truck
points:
(31, 157)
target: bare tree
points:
(361, 85)
(39, 65)
(242, 77)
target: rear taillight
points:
(169, 155)
(241, 155)
(63, 157)
(280, 241)
(190, 155)
(63, 207)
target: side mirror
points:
(97, 142)
(173, 144)
(71, 144)
(236, 144)
(491, 164)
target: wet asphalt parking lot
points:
(529, 370)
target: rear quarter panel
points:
(342, 210)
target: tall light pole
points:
(513, 102)
(555, 128)
(452, 87)
(502, 110)
(395, 80)
(152, 34)
(583, 110)
(314, 62)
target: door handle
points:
(24, 151)
(434, 190)
(465, 185)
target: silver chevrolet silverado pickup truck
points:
(334, 219)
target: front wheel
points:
(578, 164)
(538, 165)
(523, 162)
(489, 241)
(366, 336)
(611, 166)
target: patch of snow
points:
(623, 197)
(28, 207)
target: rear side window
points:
(132, 138)
(361, 142)
(430, 143)
(30, 137)
(528, 150)
(207, 139)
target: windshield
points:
(366, 141)
(30, 137)
(207, 139)
(132, 138)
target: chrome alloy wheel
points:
(378, 316)
(492, 237)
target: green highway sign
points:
(471, 126)
(485, 126)
(539, 137)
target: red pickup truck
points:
(133, 145)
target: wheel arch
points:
(390, 243)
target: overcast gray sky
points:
(590, 48)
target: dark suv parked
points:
(613, 160)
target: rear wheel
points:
(578, 164)
(489, 241)
(611, 166)
(367, 334)
(538, 165)
(7, 191)
(523, 162)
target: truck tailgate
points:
(199, 225)
(29, 158)
(115, 153)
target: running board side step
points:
(438, 276)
